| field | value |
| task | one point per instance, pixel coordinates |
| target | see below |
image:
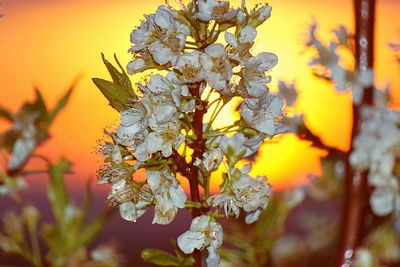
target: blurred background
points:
(48, 43)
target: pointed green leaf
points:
(90, 231)
(57, 193)
(160, 257)
(115, 94)
(60, 105)
(40, 104)
(120, 78)
(79, 219)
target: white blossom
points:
(241, 44)
(226, 202)
(264, 12)
(264, 114)
(216, 67)
(210, 161)
(132, 126)
(252, 195)
(131, 205)
(327, 57)
(288, 92)
(164, 138)
(136, 65)
(190, 67)
(377, 149)
(363, 258)
(254, 80)
(24, 145)
(355, 80)
(168, 194)
(239, 146)
(11, 185)
(215, 10)
(203, 233)
(112, 173)
(162, 34)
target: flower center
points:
(172, 43)
(169, 135)
(190, 72)
(219, 65)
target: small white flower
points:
(242, 44)
(260, 15)
(211, 160)
(264, 113)
(327, 56)
(24, 145)
(363, 258)
(239, 146)
(383, 200)
(240, 17)
(165, 95)
(247, 35)
(162, 54)
(377, 149)
(226, 202)
(164, 138)
(254, 79)
(131, 205)
(11, 185)
(264, 12)
(215, 10)
(216, 67)
(288, 92)
(111, 173)
(136, 66)
(189, 65)
(203, 233)
(252, 195)
(168, 194)
(355, 80)
(162, 34)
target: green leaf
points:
(159, 257)
(163, 258)
(57, 193)
(40, 104)
(60, 105)
(89, 233)
(120, 78)
(75, 225)
(115, 94)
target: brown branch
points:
(306, 134)
(184, 168)
(198, 150)
(356, 195)
(198, 144)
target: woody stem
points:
(356, 183)
(198, 150)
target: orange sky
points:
(48, 43)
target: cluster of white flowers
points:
(162, 120)
(377, 149)
(203, 233)
(327, 64)
(243, 191)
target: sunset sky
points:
(48, 43)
